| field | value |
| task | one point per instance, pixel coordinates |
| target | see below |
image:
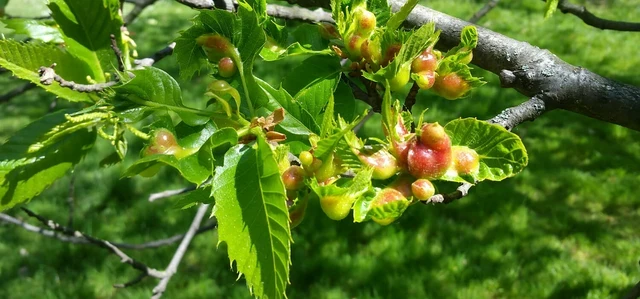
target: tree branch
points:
(483, 11)
(533, 70)
(460, 192)
(124, 258)
(633, 293)
(140, 5)
(590, 19)
(410, 100)
(48, 75)
(16, 92)
(149, 61)
(182, 248)
(79, 240)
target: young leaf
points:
(86, 28)
(550, 8)
(154, 88)
(24, 60)
(253, 219)
(354, 190)
(328, 144)
(24, 175)
(502, 154)
(297, 121)
(396, 19)
(307, 41)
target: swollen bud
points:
(465, 160)
(400, 79)
(354, 45)
(163, 142)
(226, 67)
(293, 178)
(390, 54)
(366, 21)
(336, 207)
(435, 137)
(387, 206)
(383, 163)
(427, 163)
(370, 51)
(306, 159)
(297, 211)
(328, 31)
(426, 61)
(423, 189)
(216, 46)
(426, 79)
(451, 86)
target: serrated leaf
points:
(34, 29)
(328, 144)
(345, 102)
(253, 219)
(24, 60)
(24, 175)
(156, 89)
(297, 121)
(314, 97)
(502, 153)
(86, 28)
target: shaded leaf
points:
(253, 218)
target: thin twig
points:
(16, 92)
(71, 199)
(48, 75)
(483, 11)
(182, 248)
(373, 96)
(124, 258)
(79, 240)
(149, 61)
(168, 193)
(117, 52)
(363, 121)
(590, 19)
(137, 10)
(410, 100)
(460, 192)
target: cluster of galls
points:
(416, 159)
(366, 53)
(221, 51)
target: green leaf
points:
(24, 60)
(550, 7)
(253, 219)
(304, 40)
(396, 19)
(23, 175)
(311, 71)
(502, 154)
(154, 88)
(35, 29)
(86, 28)
(345, 102)
(193, 198)
(244, 33)
(314, 97)
(328, 144)
(297, 121)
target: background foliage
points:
(565, 227)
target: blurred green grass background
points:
(567, 227)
